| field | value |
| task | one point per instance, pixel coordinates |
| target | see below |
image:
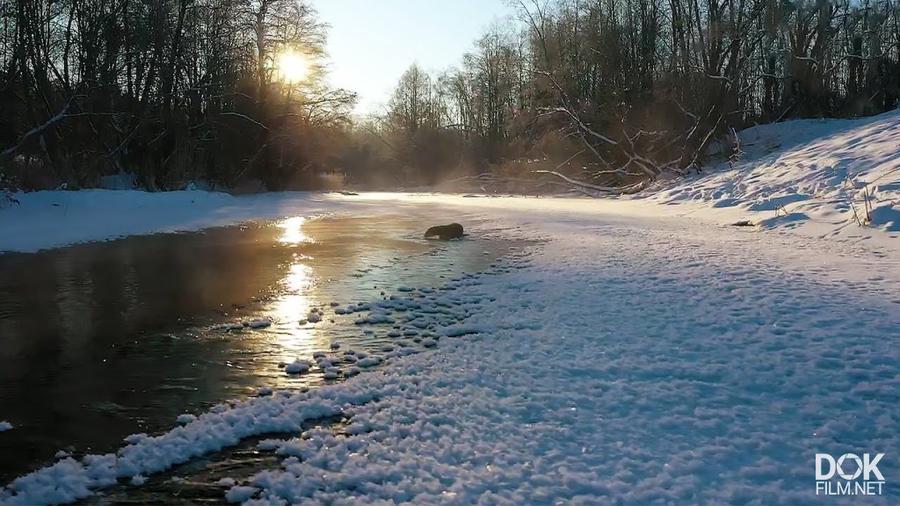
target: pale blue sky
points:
(371, 42)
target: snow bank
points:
(49, 219)
(69, 479)
(814, 173)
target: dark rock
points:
(445, 232)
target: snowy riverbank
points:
(49, 219)
(825, 176)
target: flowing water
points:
(102, 340)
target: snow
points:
(70, 479)
(298, 366)
(374, 319)
(705, 389)
(812, 173)
(226, 482)
(48, 219)
(369, 361)
(634, 361)
(240, 494)
(637, 351)
(136, 438)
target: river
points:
(102, 340)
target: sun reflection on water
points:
(294, 304)
(292, 231)
(293, 307)
(293, 335)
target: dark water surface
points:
(102, 340)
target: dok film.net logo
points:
(849, 474)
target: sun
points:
(293, 67)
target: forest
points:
(602, 95)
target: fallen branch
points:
(581, 184)
(38, 130)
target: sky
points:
(371, 42)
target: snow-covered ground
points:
(641, 353)
(824, 175)
(49, 219)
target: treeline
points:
(607, 93)
(614, 93)
(171, 91)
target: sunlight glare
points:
(293, 67)
(293, 231)
(293, 306)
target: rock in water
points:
(445, 232)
